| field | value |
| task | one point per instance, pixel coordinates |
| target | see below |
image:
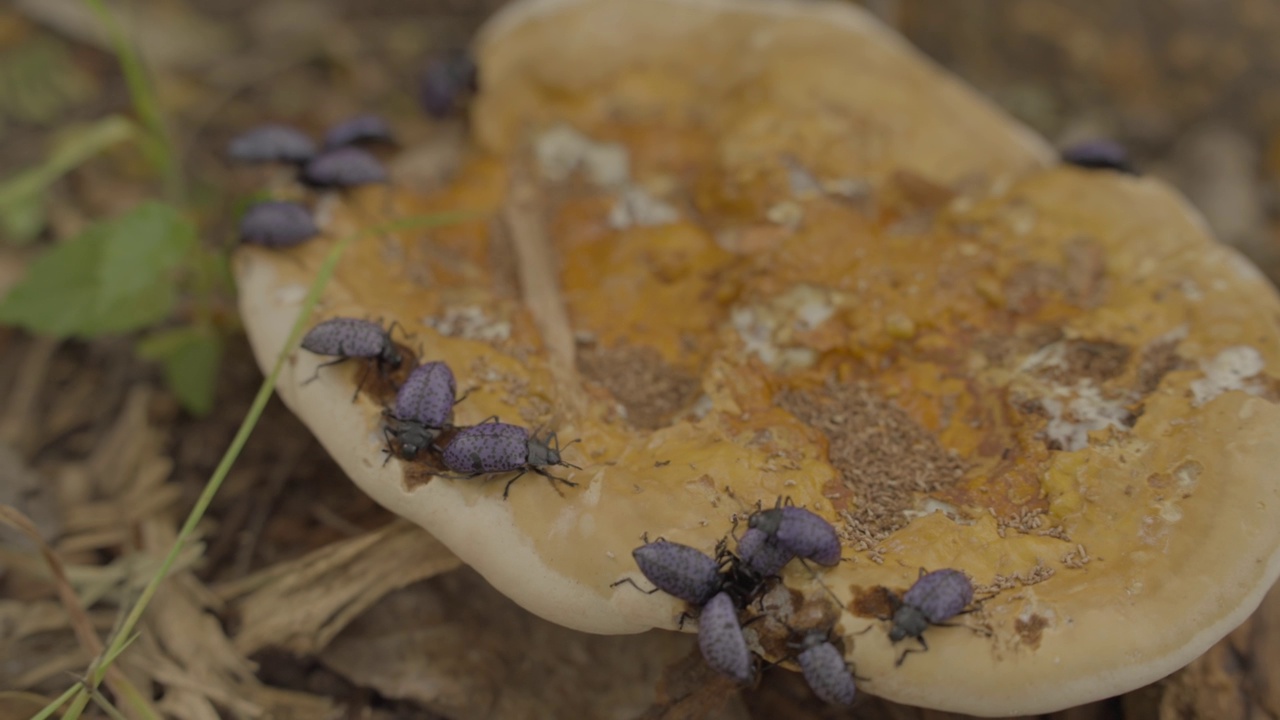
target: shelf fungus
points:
(959, 351)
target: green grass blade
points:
(327, 269)
(106, 706)
(159, 146)
(61, 700)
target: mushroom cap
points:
(792, 257)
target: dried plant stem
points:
(323, 275)
(540, 286)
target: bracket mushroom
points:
(755, 248)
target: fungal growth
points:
(277, 224)
(721, 641)
(498, 447)
(272, 143)
(935, 598)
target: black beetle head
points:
(908, 622)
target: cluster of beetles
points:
(719, 589)
(421, 419)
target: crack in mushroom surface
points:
(836, 276)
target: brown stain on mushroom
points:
(381, 386)
(1158, 360)
(1030, 629)
(1095, 360)
(876, 601)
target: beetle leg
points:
(924, 646)
(386, 433)
(507, 489)
(364, 374)
(633, 584)
(548, 475)
(316, 374)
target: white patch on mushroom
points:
(848, 188)
(768, 330)
(932, 505)
(755, 334)
(1190, 290)
(787, 213)
(326, 205)
(563, 150)
(1244, 268)
(291, 294)
(470, 323)
(1053, 355)
(1231, 369)
(1075, 412)
(1043, 612)
(813, 313)
(802, 183)
(1188, 474)
(701, 407)
(635, 206)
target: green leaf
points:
(118, 275)
(189, 356)
(21, 196)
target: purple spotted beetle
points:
(272, 143)
(423, 408)
(361, 129)
(277, 224)
(693, 576)
(428, 396)
(343, 167)
(347, 338)
(496, 447)
(447, 81)
(760, 554)
(1099, 154)
(935, 598)
(715, 586)
(679, 570)
(786, 529)
(721, 640)
(825, 670)
(413, 437)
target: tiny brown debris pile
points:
(880, 452)
(651, 390)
